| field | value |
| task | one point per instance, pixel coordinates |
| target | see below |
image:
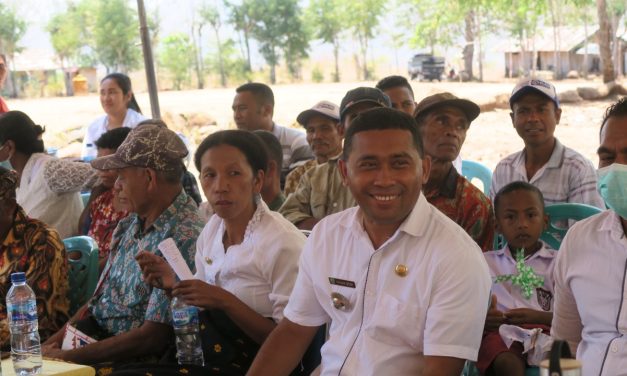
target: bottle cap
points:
(18, 277)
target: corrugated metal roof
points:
(569, 38)
(34, 59)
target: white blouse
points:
(50, 191)
(260, 271)
(99, 126)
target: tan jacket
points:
(319, 193)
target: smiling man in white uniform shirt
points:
(590, 310)
(403, 288)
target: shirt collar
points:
(557, 157)
(449, 188)
(612, 223)
(277, 202)
(543, 252)
(164, 218)
(415, 224)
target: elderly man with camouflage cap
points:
(30, 246)
(320, 191)
(443, 120)
(128, 318)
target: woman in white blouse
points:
(247, 256)
(49, 188)
(120, 107)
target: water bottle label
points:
(185, 316)
(26, 311)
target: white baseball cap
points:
(325, 108)
(534, 85)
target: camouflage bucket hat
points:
(150, 146)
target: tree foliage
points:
(279, 29)
(327, 19)
(116, 35)
(363, 18)
(177, 57)
(12, 29)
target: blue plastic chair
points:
(475, 170)
(559, 215)
(83, 275)
(85, 197)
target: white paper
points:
(75, 339)
(535, 343)
(175, 259)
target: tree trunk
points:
(469, 48)
(336, 56)
(556, 47)
(220, 61)
(585, 47)
(604, 42)
(197, 40)
(247, 43)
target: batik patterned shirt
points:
(104, 219)
(35, 249)
(123, 301)
(467, 206)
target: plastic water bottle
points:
(22, 315)
(185, 322)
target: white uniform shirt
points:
(392, 321)
(296, 150)
(260, 271)
(50, 191)
(567, 177)
(99, 126)
(590, 289)
(509, 297)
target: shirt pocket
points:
(396, 323)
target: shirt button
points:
(335, 204)
(614, 348)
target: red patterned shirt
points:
(104, 219)
(467, 206)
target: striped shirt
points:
(567, 177)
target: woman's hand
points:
(201, 294)
(156, 271)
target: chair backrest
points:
(85, 197)
(560, 217)
(83, 269)
(475, 170)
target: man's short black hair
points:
(273, 147)
(618, 109)
(262, 92)
(382, 118)
(390, 82)
(517, 186)
(112, 139)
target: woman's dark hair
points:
(19, 128)
(125, 85)
(249, 144)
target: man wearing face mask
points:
(591, 267)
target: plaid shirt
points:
(123, 300)
(567, 177)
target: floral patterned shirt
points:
(104, 219)
(36, 249)
(467, 206)
(123, 301)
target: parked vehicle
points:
(426, 66)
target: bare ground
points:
(490, 138)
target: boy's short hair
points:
(390, 82)
(272, 145)
(517, 186)
(112, 139)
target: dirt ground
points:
(490, 138)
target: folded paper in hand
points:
(175, 259)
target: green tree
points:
(68, 37)
(363, 18)
(279, 29)
(242, 20)
(211, 15)
(326, 18)
(235, 66)
(116, 35)
(12, 29)
(176, 57)
(605, 38)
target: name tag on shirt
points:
(341, 282)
